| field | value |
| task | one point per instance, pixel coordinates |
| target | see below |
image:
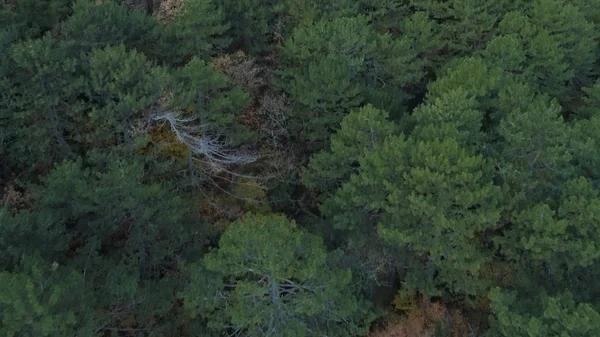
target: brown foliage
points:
(172, 148)
(167, 10)
(219, 210)
(243, 71)
(15, 198)
(423, 318)
(268, 110)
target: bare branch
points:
(197, 138)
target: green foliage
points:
(591, 10)
(121, 84)
(585, 144)
(497, 103)
(548, 46)
(336, 65)
(41, 103)
(560, 240)
(480, 80)
(106, 200)
(359, 132)
(349, 42)
(270, 277)
(557, 17)
(208, 95)
(308, 12)
(110, 224)
(31, 18)
(451, 115)
(465, 25)
(43, 299)
(431, 197)
(591, 103)
(253, 23)
(535, 157)
(29, 232)
(386, 14)
(199, 30)
(458, 152)
(475, 75)
(323, 94)
(557, 315)
(423, 32)
(109, 24)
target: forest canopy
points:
(300, 168)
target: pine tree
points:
(40, 103)
(573, 33)
(591, 102)
(452, 115)
(120, 231)
(208, 95)
(95, 26)
(199, 30)
(336, 65)
(556, 241)
(33, 18)
(550, 45)
(535, 155)
(44, 299)
(269, 277)
(121, 85)
(253, 23)
(584, 142)
(465, 25)
(559, 315)
(433, 198)
(359, 132)
(298, 13)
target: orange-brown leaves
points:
(418, 316)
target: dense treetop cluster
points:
(300, 168)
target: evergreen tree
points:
(452, 115)
(121, 233)
(337, 65)
(535, 155)
(44, 299)
(548, 315)
(591, 102)
(548, 46)
(433, 198)
(121, 85)
(95, 26)
(33, 18)
(253, 23)
(585, 144)
(465, 25)
(206, 94)
(298, 13)
(268, 277)
(41, 104)
(458, 157)
(556, 241)
(199, 30)
(359, 132)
